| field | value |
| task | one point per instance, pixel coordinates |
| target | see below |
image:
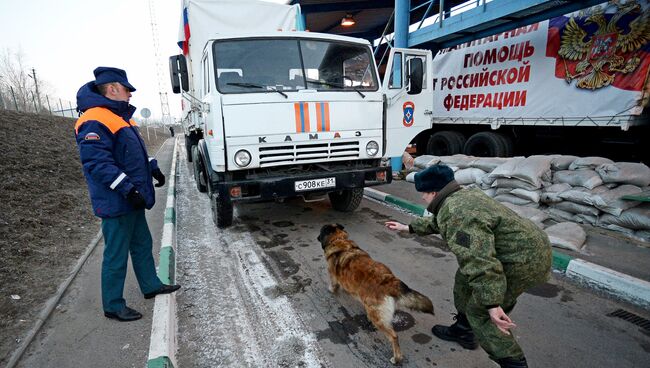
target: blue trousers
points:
(123, 235)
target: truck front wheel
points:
(222, 211)
(346, 200)
(197, 165)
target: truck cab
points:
(281, 115)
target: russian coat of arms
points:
(597, 45)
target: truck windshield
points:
(267, 65)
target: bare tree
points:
(15, 83)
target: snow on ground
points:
(228, 315)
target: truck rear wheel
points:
(197, 165)
(346, 200)
(485, 144)
(445, 143)
(222, 211)
(508, 145)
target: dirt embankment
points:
(46, 220)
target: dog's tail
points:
(411, 299)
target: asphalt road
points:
(256, 295)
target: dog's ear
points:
(339, 226)
(325, 231)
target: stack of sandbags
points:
(584, 190)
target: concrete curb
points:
(631, 289)
(162, 346)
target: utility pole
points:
(164, 104)
(38, 95)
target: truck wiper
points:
(253, 85)
(335, 85)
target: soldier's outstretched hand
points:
(394, 225)
(501, 320)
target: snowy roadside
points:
(228, 315)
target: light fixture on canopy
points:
(348, 20)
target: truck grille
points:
(306, 153)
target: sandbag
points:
(611, 202)
(561, 162)
(469, 176)
(643, 235)
(511, 199)
(505, 169)
(585, 219)
(625, 173)
(532, 214)
(582, 195)
(560, 215)
(531, 195)
(533, 169)
(551, 194)
(576, 208)
(502, 191)
(489, 192)
(513, 184)
(411, 177)
(589, 163)
(425, 161)
(408, 161)
(567, 235)
(460, 161)
(583, 178)
(637, 218)
(488, 164)
(619, 229)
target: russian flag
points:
(184, 37)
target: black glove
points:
(158, 175)
(136, 199)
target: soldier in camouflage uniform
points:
(499, 253)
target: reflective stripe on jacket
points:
(114, 160)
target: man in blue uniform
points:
(119, 176)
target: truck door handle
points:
(428, 112)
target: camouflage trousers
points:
(492, 340)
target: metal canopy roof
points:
(371, 16)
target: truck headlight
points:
(372, 148)
(242, 158)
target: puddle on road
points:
(545, 290)
(297, 285)
(374, 214)
(275, 240)
(402, 321)
(283, 224)
(384, 237)
(339, 332)
(285, 263)
(421, 338)
(424, 252)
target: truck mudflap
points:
(271, 188)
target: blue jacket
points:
(113, 154)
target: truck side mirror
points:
(415, 76)
(178, 73)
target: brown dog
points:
(371, 282)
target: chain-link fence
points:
(30, 102)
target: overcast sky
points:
(66, 39)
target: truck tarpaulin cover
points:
(201, 20)
(593, 62)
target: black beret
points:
(433, 178)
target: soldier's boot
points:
(512, 363)
(460, 332)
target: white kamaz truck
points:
(279, 113)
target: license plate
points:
(315, 184)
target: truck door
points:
(408, 107)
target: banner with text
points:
(593, 62)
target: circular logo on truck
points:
(408, 108)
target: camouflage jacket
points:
(497, 250)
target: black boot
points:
(513, 363)
(460, 332)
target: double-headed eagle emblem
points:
(611, 49)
